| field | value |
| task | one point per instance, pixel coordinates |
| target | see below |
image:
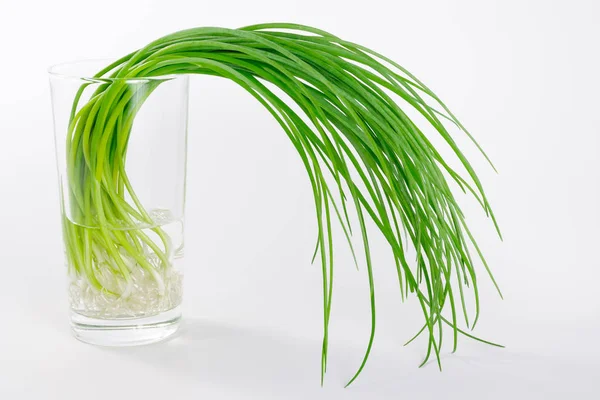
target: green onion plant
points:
(365, 158)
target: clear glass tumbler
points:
(121, 156)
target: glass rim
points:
(56, 71)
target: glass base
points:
(126, 332)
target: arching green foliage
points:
(362, 153)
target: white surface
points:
(522, 75)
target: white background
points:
(523, 77)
